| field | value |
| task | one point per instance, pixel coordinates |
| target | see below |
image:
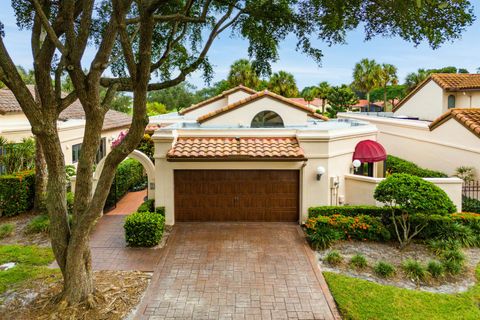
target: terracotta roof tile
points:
(218, 97)
(447, 81)
(230, 148)
(256, 96)
(113, 119)
(469, 118)
(316, 103)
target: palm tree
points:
(322, 92)
(284, 84)
(388, 76)
(366, 76)
(242, 73)
(308, 95)
(413, 79)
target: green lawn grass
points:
(32, 262)
(360, 299)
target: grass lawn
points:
(32, 262)
(359, 299)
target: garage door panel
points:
(236, 195)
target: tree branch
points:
(48, 28)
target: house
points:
(255, 156)
(362, 106)
(436, 125)
(439, 93)
(14, 126)
(315, 103)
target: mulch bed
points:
(19, 236)
(388, 252)
(117, 295)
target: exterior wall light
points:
(320, 172)
(356, 163)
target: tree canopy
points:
(142, 46)
(283, 83)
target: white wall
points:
(244, 115)
(217, 104)
(360, 189)
(426, 104)
(467, 99)
(446, 148)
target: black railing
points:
(471, 189)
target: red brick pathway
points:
(237, 271)
(129, 203)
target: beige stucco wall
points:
(244, 115)
(331, 150)
(15, 127)
(446, 148)
(463, 99)
(360, 189)
(426, 104)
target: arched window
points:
(267, 119)
(451, 101)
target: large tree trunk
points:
(40, 178)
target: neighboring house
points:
(256, 156)
(14, 126)
(439, 93)
(315, 103)
(437, 125)
(362, 106)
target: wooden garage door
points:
(236, 195)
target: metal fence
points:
(471, 189)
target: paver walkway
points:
(129, 203)
(237, 271)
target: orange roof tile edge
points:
(256, 96)
(231, 148)
(217, 97)
(468, 117)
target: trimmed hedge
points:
(398, 165)
(17, 192)
(349, 211)
(144, 229)
(147, 206)
(361, 227)
(129, 175)
(470, 204)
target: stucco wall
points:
(467, 99)
(223, 102)
(334, 153)
(244, 115)
(446, 148)
(360, 189)
(426, 104)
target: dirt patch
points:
(374, 252)
(117, 295)
(19, 236)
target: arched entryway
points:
(146, 163)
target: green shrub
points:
(439, 246)
(384, 269)
(320, 234)
(333, 258)
(6, 230)
(408, 196)
(160, 210)
(70, 201)
(38, 224)
(414, 270)
(453, 261)
(397, 165)
(358, 261)
(435, 269)
(349, 211)
(144, 229)
(359, 228)
(470, 204)
(17, 192)
(147, 206)
(458, 232)
(129, 174)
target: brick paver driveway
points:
(237, 271)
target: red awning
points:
(369, 151)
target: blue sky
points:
(337, 63)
